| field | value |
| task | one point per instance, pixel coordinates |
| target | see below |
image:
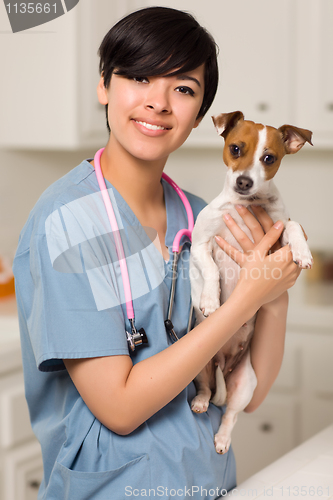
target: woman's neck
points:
(138, 181)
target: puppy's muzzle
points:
(243, 184)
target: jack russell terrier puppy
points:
(252, 153)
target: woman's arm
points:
(267, 347)
(123, 396)
(267, 344)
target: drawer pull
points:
(262, 106)
(266, 427)
(34, 484)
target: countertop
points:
(305, 472)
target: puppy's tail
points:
(221, 391)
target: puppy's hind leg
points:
(240, 387)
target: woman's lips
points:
(154, 128)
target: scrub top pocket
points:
(129, 479)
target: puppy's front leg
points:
(294, 236)
(203, 382)
(240, 387)
(210, 295)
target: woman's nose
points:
(157, 98)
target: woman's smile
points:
(151, 129)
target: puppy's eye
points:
(235, 150)
(269, 159)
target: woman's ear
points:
(197, 121)
(102, 92)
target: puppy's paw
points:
(302, 255)
(208, 305)
(199, 404)
(222, 443)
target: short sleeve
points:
(63, 319)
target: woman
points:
(110, 424)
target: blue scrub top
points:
(71, 305)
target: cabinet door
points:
(317, 369)
(255, 59)
(49, 76)
(38, 84)
(263, 436)
(314, 69)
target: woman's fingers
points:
(270, 239)
(254, 223)
(263, 217)
(244, 241)
(231, 251)
(262, 248)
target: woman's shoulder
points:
(72, 186)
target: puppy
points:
(252, 154)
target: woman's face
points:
(152, 117)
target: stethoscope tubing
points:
(116, 234)
(122, 258)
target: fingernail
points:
(226, 217)
(218, 238)
(239, 207)
(278, 224)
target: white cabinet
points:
(314, 69)
(275, 62)
(254, 69)
(21, 467)
(49, 77)
(275, 58)
(299, 405)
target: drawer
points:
(23, 473)
(263, 436)
(14, 415)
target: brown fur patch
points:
(245, 135)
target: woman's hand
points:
(264, 275)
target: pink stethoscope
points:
(139, 337)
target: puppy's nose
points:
(244, 183)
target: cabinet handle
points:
(34, 484)
(262, 106)
(266, 427)
(330, 106)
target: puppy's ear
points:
(294, 138)
(226, 121)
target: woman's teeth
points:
(151, 127)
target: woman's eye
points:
(235, 150)
(269, 159)
(185, 90)
(140, 79)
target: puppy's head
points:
(253, 152)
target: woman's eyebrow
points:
(188, 77)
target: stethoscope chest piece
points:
(136, 337)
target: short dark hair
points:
(159, 40)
